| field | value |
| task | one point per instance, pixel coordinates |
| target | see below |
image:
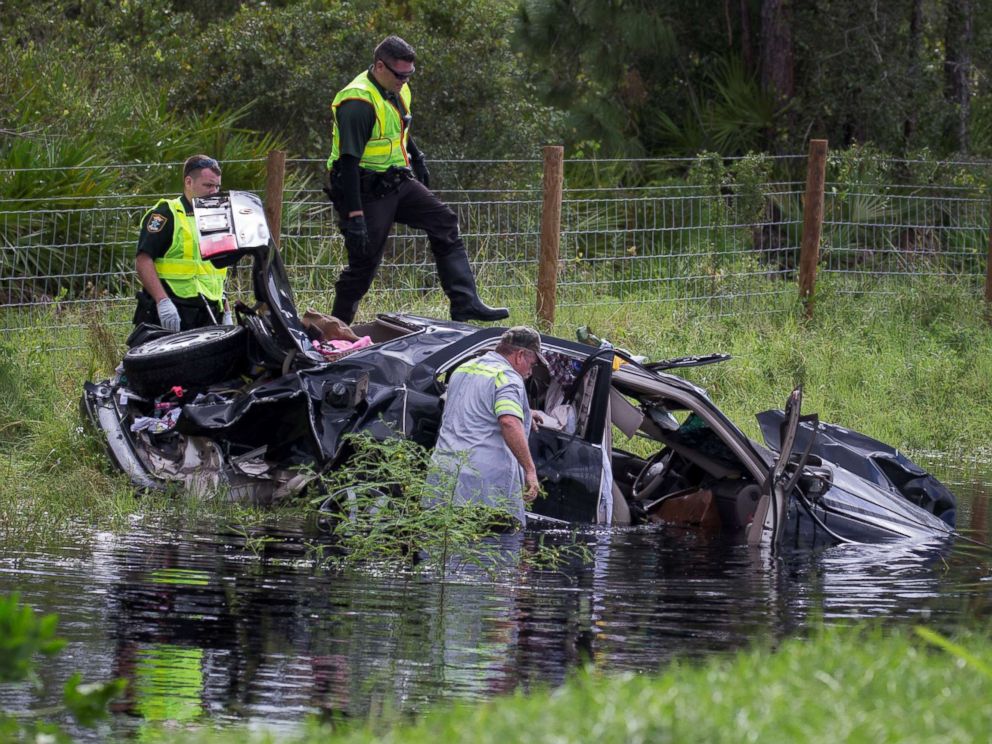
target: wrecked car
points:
(257, 409)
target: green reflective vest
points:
(181, 267)
(387, 145)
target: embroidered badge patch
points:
(156, 222)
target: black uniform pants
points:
(411, 204)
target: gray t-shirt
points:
(471, 442)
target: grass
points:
(842, 684)
(55, 478)
(910, 368)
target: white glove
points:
(168, 315)
(228, 318)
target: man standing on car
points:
(486, 420)
(378, 176)
(180, 290)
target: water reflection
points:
(166, 683)
(208, 632)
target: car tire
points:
(191, 359)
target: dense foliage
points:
(496, 78)
(108, 72)
(642, 77)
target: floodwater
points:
(206, 631)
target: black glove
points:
(356, 236)
(420, 171)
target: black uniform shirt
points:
(157, 230)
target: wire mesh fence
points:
(677, 243)
(871, 233)
(498, 206)
(691, 235)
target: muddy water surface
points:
(208, 631)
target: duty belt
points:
(373, 184)
(378, 184)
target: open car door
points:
(232, 225)
(772, 510)
(571, 467)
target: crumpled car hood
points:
(868, 458)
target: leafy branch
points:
(23, 636)
(392, 506)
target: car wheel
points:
(190, 359)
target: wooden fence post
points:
(275, 177)
(547, 269)
(809, 252)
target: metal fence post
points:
(275, 177)
(547, 270)
(809, 252)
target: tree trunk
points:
(777, 59)
(913, 70)
(776, 48)
(957, 70)
(747, 52)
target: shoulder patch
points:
(156, 222)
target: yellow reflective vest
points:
(181, 267)
(387, 145)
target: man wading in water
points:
(483, 437)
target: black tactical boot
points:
(346, 301)
(458, 283)
(344, 311)
(349, 290)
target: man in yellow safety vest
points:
(379, 176)
(180, 290)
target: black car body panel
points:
(868, 458)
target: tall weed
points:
(392, 507)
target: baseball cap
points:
(525, 337)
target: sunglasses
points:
(401, 76)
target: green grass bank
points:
(842, 684)
(913, 369)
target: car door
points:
(771, 512)
(570, 466)
(237, 218)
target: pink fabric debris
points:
(334, 347)
(342, 345)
